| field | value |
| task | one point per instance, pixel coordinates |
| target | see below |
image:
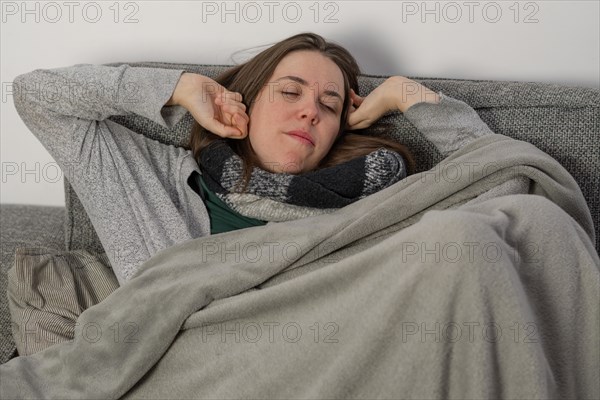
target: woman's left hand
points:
(364, 111)
(395, 93)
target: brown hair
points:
(249, 78)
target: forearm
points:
(186, 81)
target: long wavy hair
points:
(249, 78)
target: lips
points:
(303, 135)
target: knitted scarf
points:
(282, 197)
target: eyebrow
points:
(305, 83)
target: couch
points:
(562, 121)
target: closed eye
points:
(329, 108)
(297, 94)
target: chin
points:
(290, 168)
(291, 165)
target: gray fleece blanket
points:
(420, 291)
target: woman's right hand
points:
(213, 106)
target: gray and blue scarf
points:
(282, 197)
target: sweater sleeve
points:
(449, 124)
(59, 106)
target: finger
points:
(241, 125)
(229, 109)
(353, 121)
(236, 126)
(236, 97)
(220, 124)
(233, 108)
(356, 99)
(359, 119)
(231, 96)
(234, 116)
(216, 127)
(359, 125)
(223, 130)
(354, 117)
(242, 121)
(351, 108)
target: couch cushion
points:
(48, 290)
(562, 121)
(24, 226)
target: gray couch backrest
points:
(562, 121)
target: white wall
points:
(541, 41)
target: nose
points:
(309, 109)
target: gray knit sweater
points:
(136, 189)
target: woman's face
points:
(296, 116)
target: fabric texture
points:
(310, 193)
(368, 305)
(48, 290)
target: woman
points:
(283, 114)
(296, 92)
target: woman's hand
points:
(395, 93)
(214, 107)
(364, 111)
